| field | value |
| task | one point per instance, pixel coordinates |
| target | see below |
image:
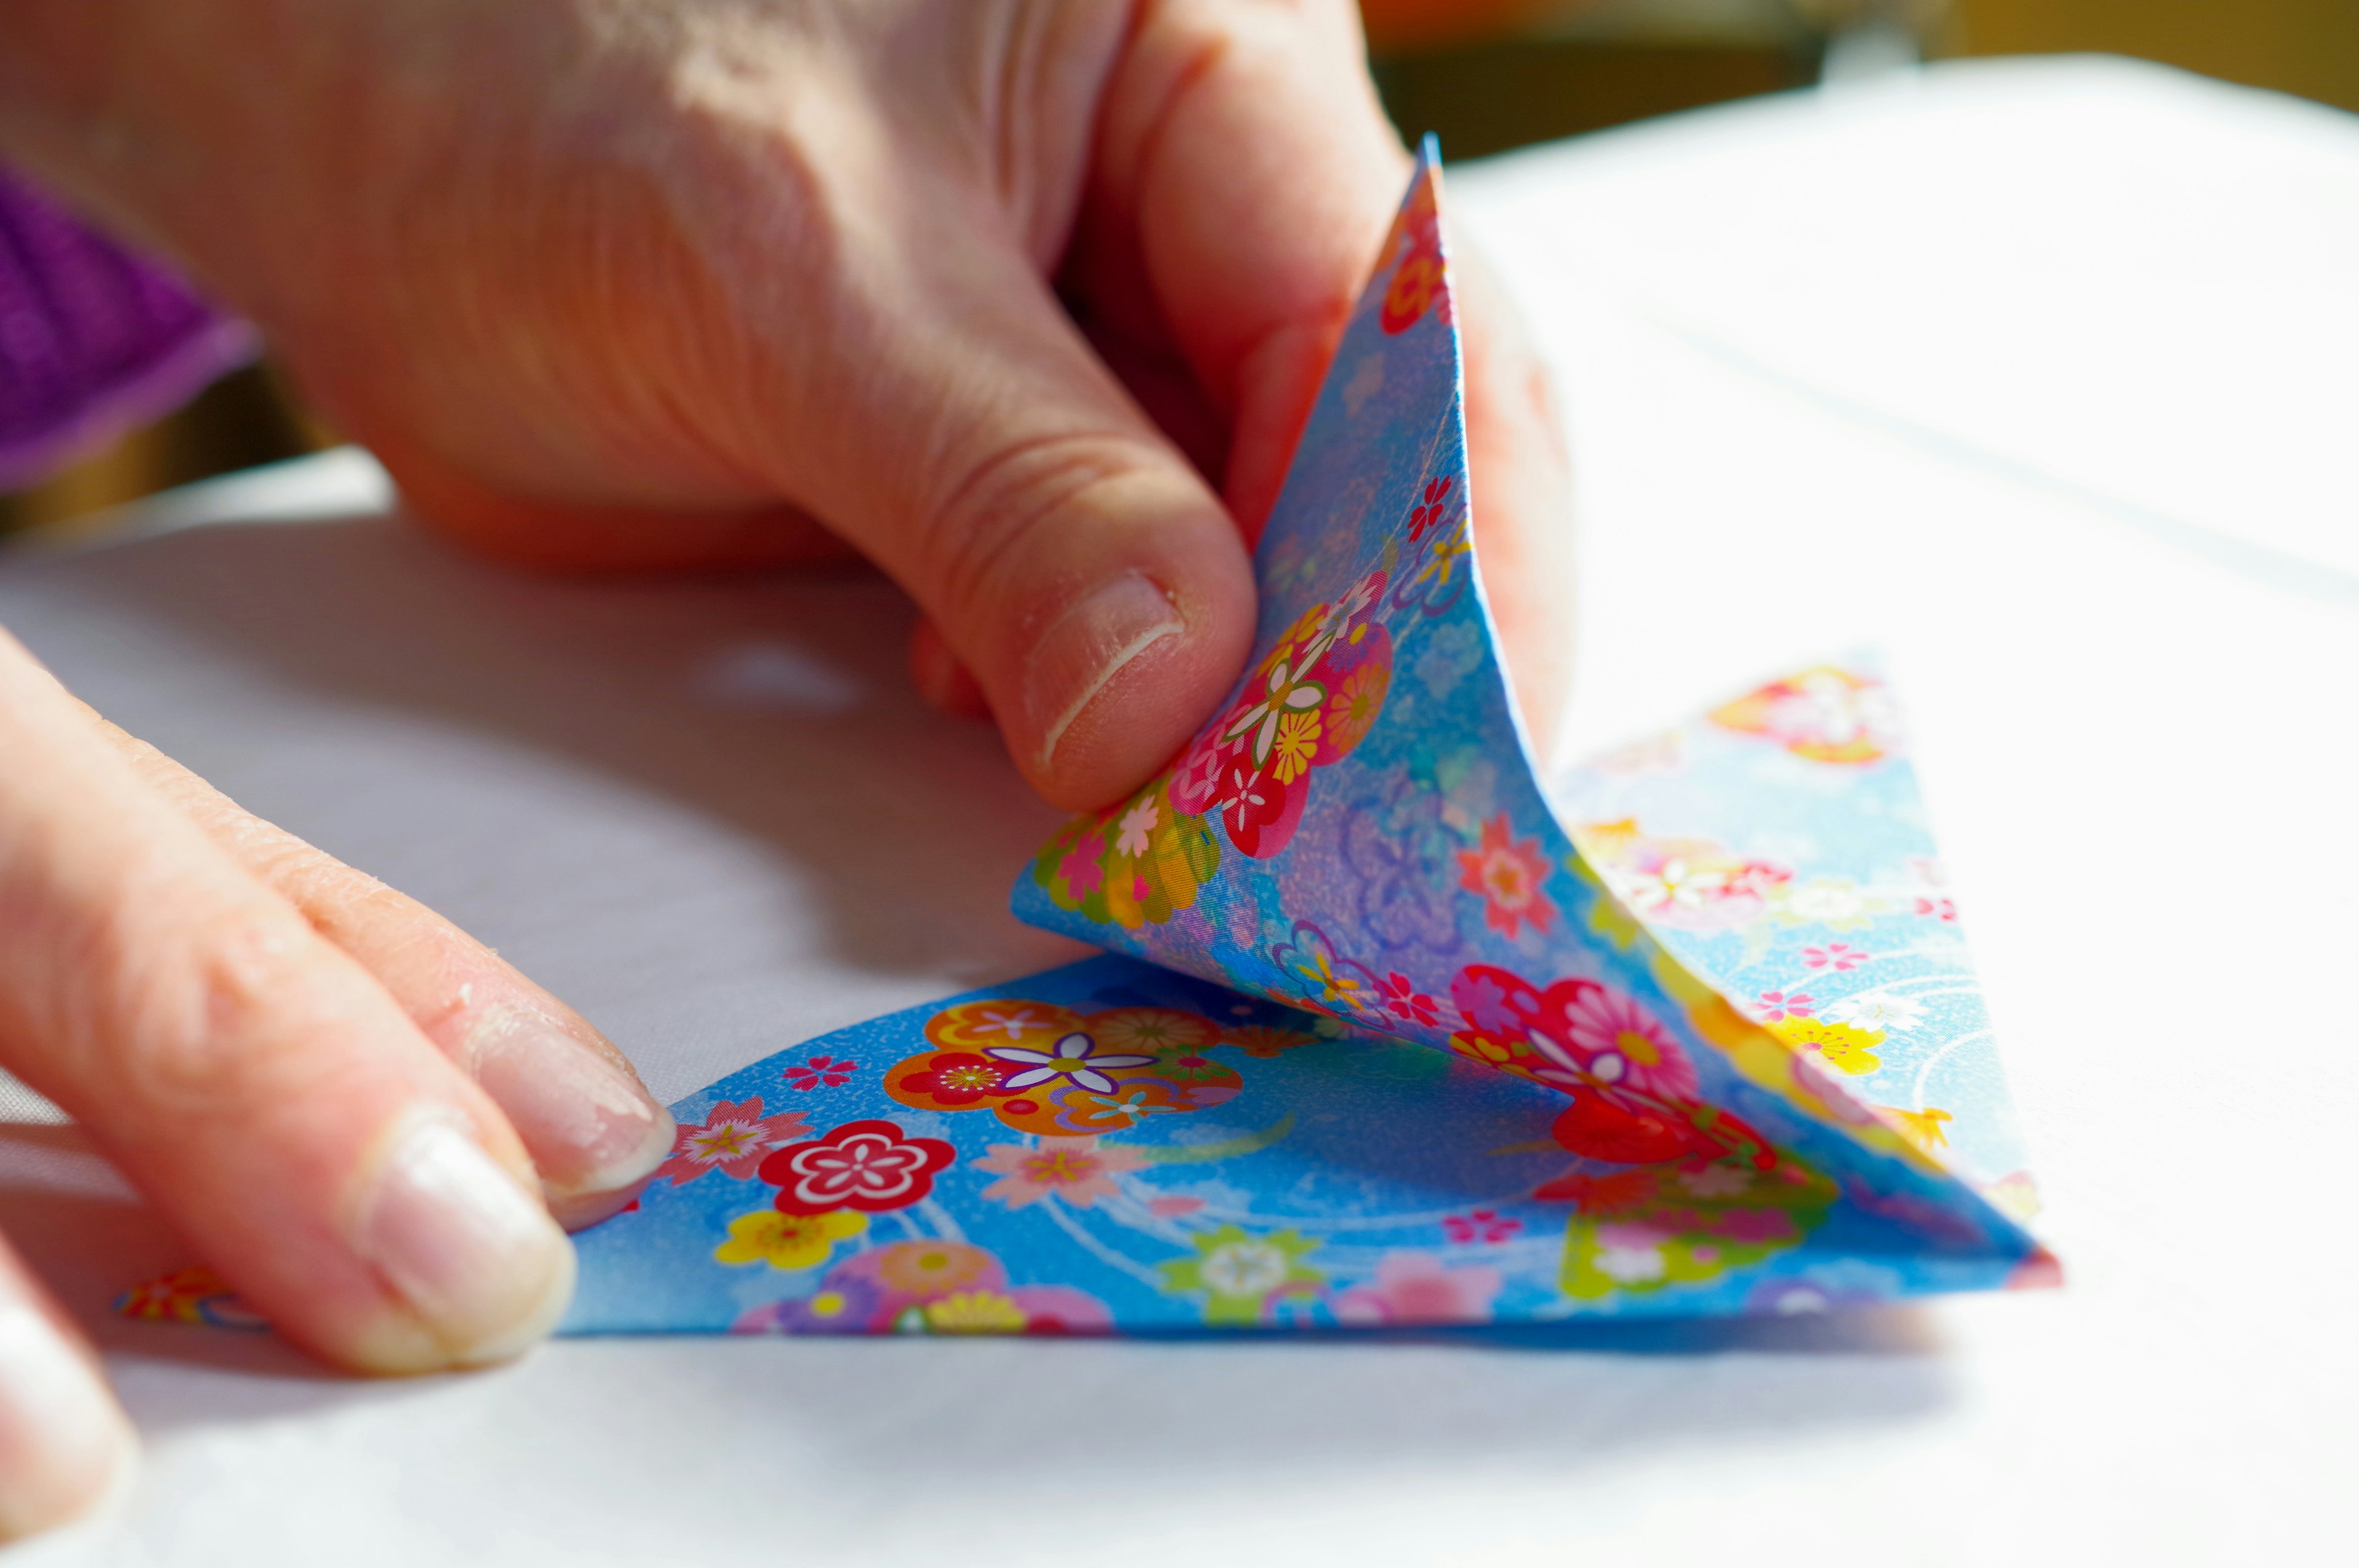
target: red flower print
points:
(1609, 1038)
(1480, 1225)
(1437, 500)
(1776, 1005)
(1508, 871)
(1938, 908)
(1602, 1128)
(1624, 1192)
(1403, 999)
(731, 1139)
(832, 1071)
(1307, 705)
(1838, 955)
(957, 1078)
(866, 1165)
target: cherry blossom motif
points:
(1123, 1107)
(831, 1072)
(1480, 1225)
(1414, 1287)
(1774, 1005)
(1825, 714)
(1081, 868)
(1690, 883)
(1078, 1171)
(1630, 1254)
(1431, 511)
(1839, 957)
(1403, 999)
(732, 1138)
(867, 1166)
(1075, 1058)
(1508, 871)
(1881, 1011)
(1137, 827)
(1938, 908)
(1310, 702)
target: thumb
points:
(1064, 550)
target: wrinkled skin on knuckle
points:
(208, 1013)
(1001, 532)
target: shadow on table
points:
(776, 705)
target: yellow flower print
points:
(1923, 1128)
(787, 1241)
(1843, 1044)
(1298, 742)
(975, 1311)
(1334, 987)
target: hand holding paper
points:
(1427, 1057)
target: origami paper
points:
(1391, 1033)
(1388, 1045)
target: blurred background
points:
(1487, 75)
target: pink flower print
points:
(1075, 1058)
(1480, 1225)
(1508, 872)
(868, 1166)
(1613, 1039)
(1751, 1226)
(1403, 999)
(1081, 869)
(1839, 957)
(731, 1139)
(1938, 908)
(831, 1072)
(1414, 1287)
(1776, 1005)
(1078, 1170)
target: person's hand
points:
(982, 289)
(665, 283)
(357, 1113)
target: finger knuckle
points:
(989, 532)
(216, 1014)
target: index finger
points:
(1243, 148)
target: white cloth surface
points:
(2037, 375)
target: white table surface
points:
(2041, 376)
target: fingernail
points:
(63, 1440)
(474, 1254)
(589, 1125)
(1087, 646)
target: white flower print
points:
(1137, 823)
(1877, 1010)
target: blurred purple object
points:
(93, 339)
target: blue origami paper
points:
(1392, 1034)
(1390, 1042)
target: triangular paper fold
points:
(1400, 1035)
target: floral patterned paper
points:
(1401, 1036)
(1394, 1035)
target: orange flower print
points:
(1507, 873)
(1079, 1171)
(1825, 714)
